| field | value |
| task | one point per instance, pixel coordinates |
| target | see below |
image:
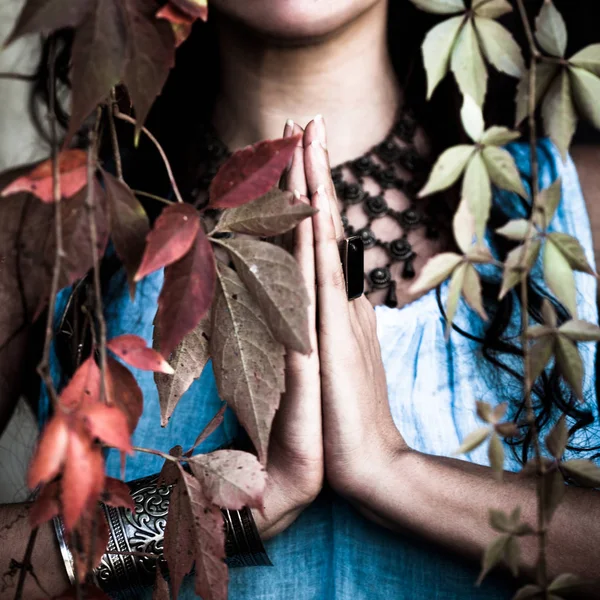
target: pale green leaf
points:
(515, 516)
(551, 30)
(554, 491)
(472, 291)
(499, 521)
(572, 251)
(559, 276)
(494, 553)
(537, 331)
(556, 440)
(544, 75)
(548, 313)
(491, 9)
(437, 48)
(463, 226)
(468, 66)
(516, 229)
(440, 7)
(484, 411)
(499, 47)
(479, 253)
(570, 364)
(499, 411)
(499, 136)
(436, 270)
(539, 356)
(456, 284)
(585, 472)
(588, 58)
(529, 592)
(473, 440)
(447, 169)
(477, 190)
(565, 582)
(580, 331)
(512, 555)
(558, 113)
(472, 118)
(586, 91)
(547, 203)
(516, 263)
(503, 170)
(496, 455)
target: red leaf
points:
(171, 238)
(84, 387)
(161, 587)
(82, 475)
(109, 424)
(187, 293)
(123, 391)
(169, 474)
(209, 429)
(251, 172)
(50, 453)
(230, 478)
(89, 537)
(116, 493)
(73, 177)
(181, 23)
(129, 225)
(46, 505)
(133, 350)
(179, 541)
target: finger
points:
(332, 299)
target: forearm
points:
(46, 560)
(447, 501)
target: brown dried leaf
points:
(556, 440)
(558, 113)
(559, 276)
(274, 280)
(248, 362)
(467, 64)
(270, 215)
(496, 455)
(212, 426)
(188, 361)
(570, 364)
(161, 587)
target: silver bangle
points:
(64, 549)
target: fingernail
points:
(288, 129)
(322, 200)
(297, 195)
(320, 130)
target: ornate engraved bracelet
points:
(126, 576)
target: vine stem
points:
(113, 134)
(153, 196)
(157, 453)
(128, 119)
(542, 571)
(26, 563)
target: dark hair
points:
(186, 95)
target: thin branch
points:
(128, 119)
(157, 453)
(154, 197)
(113, 134)
(25, 565)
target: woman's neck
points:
(347, 77)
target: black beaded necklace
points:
(386, 164)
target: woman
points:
(363, 500)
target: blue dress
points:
(331, 552)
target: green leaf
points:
(447, 169)
(463, 226)
(512, 555)
(556, 440)
(491, 8)
(494, 553)
(440, 7)
(473, 440)
(515, 230)
(565, 582)
(551, 31)
(456, 284)
(503, 170)
(514, 265)
(499, 136)
(500, 521)
(586, 90)
(468, 66)
(584, 472)
(571, 249)
(580, 331)
(559, 276)
(554, 491)
(270, 215)
(472, 118)
(436, 270)
(499, 47)
(547, 203)
(437, 48)
(544, 75)
(529, 592)
(540, 354)
(496, 455)
(588, 58)
(570, 364)
(548, 313)
(471, 291)
(477, 190)
(558, 113)
(484, 411)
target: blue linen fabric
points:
(331, 552)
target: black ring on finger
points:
(352, 251)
